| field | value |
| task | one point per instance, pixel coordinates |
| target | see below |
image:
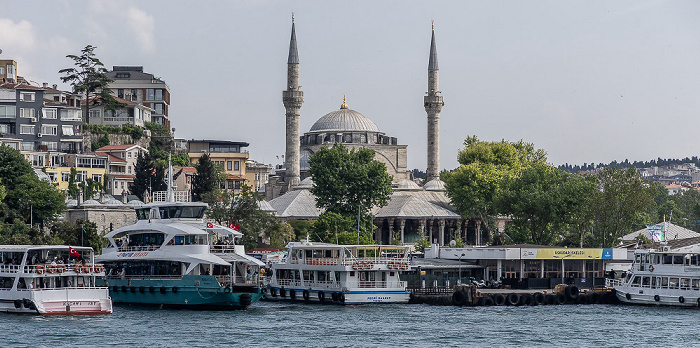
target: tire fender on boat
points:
(321, 296)
(681, 299)
(341, 297)
(292, 294)
(305, 294)
(657, 298)
(273, 292)
(227, 289)
(175, 289)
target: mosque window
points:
(347, 138)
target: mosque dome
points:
(344, 120)
(407, 185)
(434, 185)
(305, 184)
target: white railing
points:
(611, 283)
(375, 260)
(52, 269)
(179, 196)
(334, 261)
(376, 284)
(309, 284)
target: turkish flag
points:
(210, 225)
(73, 252)
(234, 227)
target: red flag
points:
(73, 252)
(234, 227)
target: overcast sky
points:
(587, 81)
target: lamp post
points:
(359, 204)
(562, 266)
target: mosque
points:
(413, 210)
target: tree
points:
(181, 160)
(83, 233)
(207, 179)
(473, 186)
(350, 184)
(623, 195)
(89, 77)
(149, 177)
(243, 210)
(72, 186)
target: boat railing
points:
(376, 284)
(64, 288)
(611, 283)
(375, 260)
(138, 248)
(308, 284)
(52, 269)
(225, 248)
(144, 277)
(227, 280)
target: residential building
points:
(134, 114)
(228, 154)
(131, 83)
(257, 175)
(8, 71)
(122, 166)
(91, 166)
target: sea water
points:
(267, 324)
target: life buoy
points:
(356, 266)
(306, 295)
(78, 268)
(87, 268)
(51, 269)
(40, 269)
(61, 268)
(369, 265)
(651, 268)
(363, 265)
(390, 265)
(99, 268)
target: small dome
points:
(407, 185)
(266, 207)
(305, 184)
(113, 202)
(91, 202)
(434, 185)
(72, 203)
(135, 203)
(344, 120)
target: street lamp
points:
(562, 266)
(459, 279)
(358, 222)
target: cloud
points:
(18, 36)
(143, 26)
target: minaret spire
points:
(292, 98)
(433, 105)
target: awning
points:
(240, 258)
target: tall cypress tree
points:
(205, 180)
(144, 177)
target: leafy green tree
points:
(301, 228)
(580, 192)
(623, 195)
(181, 160)
(149, 177)
(473, 186)
(206, 181)
(83, 233)
(102, 142)
(349, 183)
(89, 78)
(243, 210)
(73, 191)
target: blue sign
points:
(607, 254)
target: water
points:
(268, 324)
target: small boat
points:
(51, 280)
(340, 274)
(661, 277)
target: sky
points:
(587, 81)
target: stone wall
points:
(118, 217)
(115, 139)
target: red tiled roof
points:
(234, 177)
(190, 170)
(20, 86)
(126, 176)
(111, 158)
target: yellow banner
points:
(569, 253)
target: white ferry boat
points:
(661, 277)
(168, 259)
(341, 274)
(51, 280)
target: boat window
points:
(646, 258)
(322, 276)
(668, 259)
(296, 275)
(664, 282)
(696, 284)
(685, 283)
(308, 276)
(657, 259)
(694, 259)
(646, 281)
(309, 254)
(142, 214)
(654, 282)
(191, 212)
(673, 283)
(678, 259)
(146, 239)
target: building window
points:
(7, 111)
(158, 108)
(26, 112)
(95, 113)
(53, 176)
(50, 113)
(5, 128)
(65, 176)
(49, 129)
(129, 169)
(71, 115)
(236, 165)
(120, 93)
(27, 146)
(229, 165)
(38, 160)
(49, 145)
(97, 178)
(129, 154)
(26, 96)
(26, 129)
(230, 184)
(67, 130)
(123, 75)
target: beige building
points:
(122, 166)
(257, 174)
(8, 71)
(228, 154)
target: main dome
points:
(344, 120)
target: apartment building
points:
(228, 154)
(132, 84)
(122, 166)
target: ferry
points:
(661, 277)
(51, 280)
(340, 274)
(168, 258)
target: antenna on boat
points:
(171, 194)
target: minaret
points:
(293, 97)
(433, 104)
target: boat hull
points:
(196, 292)
(650, 297)
(347, 297)
(68, 301)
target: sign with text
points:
(566, 253)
